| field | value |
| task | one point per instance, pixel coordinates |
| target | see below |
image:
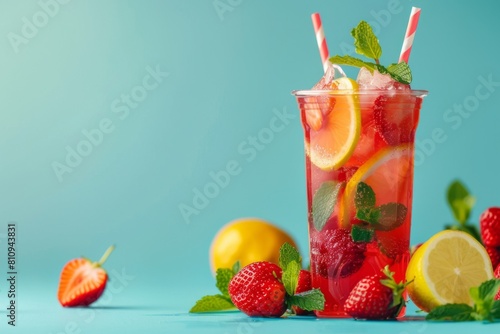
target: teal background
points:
(228, 73)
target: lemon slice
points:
(334, 142)
(389, 172)
(444, 269)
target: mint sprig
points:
(222, 301)
(485, 307)
(461, 203)
(289, 261)
(384, 217)
(367, 44)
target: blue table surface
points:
(169, 315)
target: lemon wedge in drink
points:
(389, 172)
(444, 269)
(333, 140)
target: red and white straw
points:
(320, 38)
(410, 34)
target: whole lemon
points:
(247, 240)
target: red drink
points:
(359, 165)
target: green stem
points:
(104, 257)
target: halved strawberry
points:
(82, 282)
(396, 117)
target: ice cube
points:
(333, 72)
(375, 80)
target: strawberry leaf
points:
(212, 303)
(312, 300)
(288, 253)
(222, 278)
(290, 277)
(323, 202)
(454, 312)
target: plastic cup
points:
(359, 186)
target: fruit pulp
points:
(382, 158)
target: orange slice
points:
(333, 139)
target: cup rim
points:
(320, 92)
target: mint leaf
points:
(455, 312)
(290, 277)
(369, 215)
(236, 267)
(288, 253)
(474, 293)
(361, 234)
(392, 215)
(309, 300)
(352, 61)
(460, 200)
(467, 228)
(365, 41)
(400, 72)
(222, 278)
(212, 303)
(365, 196)
(487, 290)
(495, 310)
(323, 202)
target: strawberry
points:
(257, 290)
(376, 297)
(304, 284)
(82, 282)
(396, 117)
(334, 253)
(489, 223)
(497, 276)
(494, 253)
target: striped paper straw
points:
(320, 38)
(410, 34)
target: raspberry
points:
(334, 253)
